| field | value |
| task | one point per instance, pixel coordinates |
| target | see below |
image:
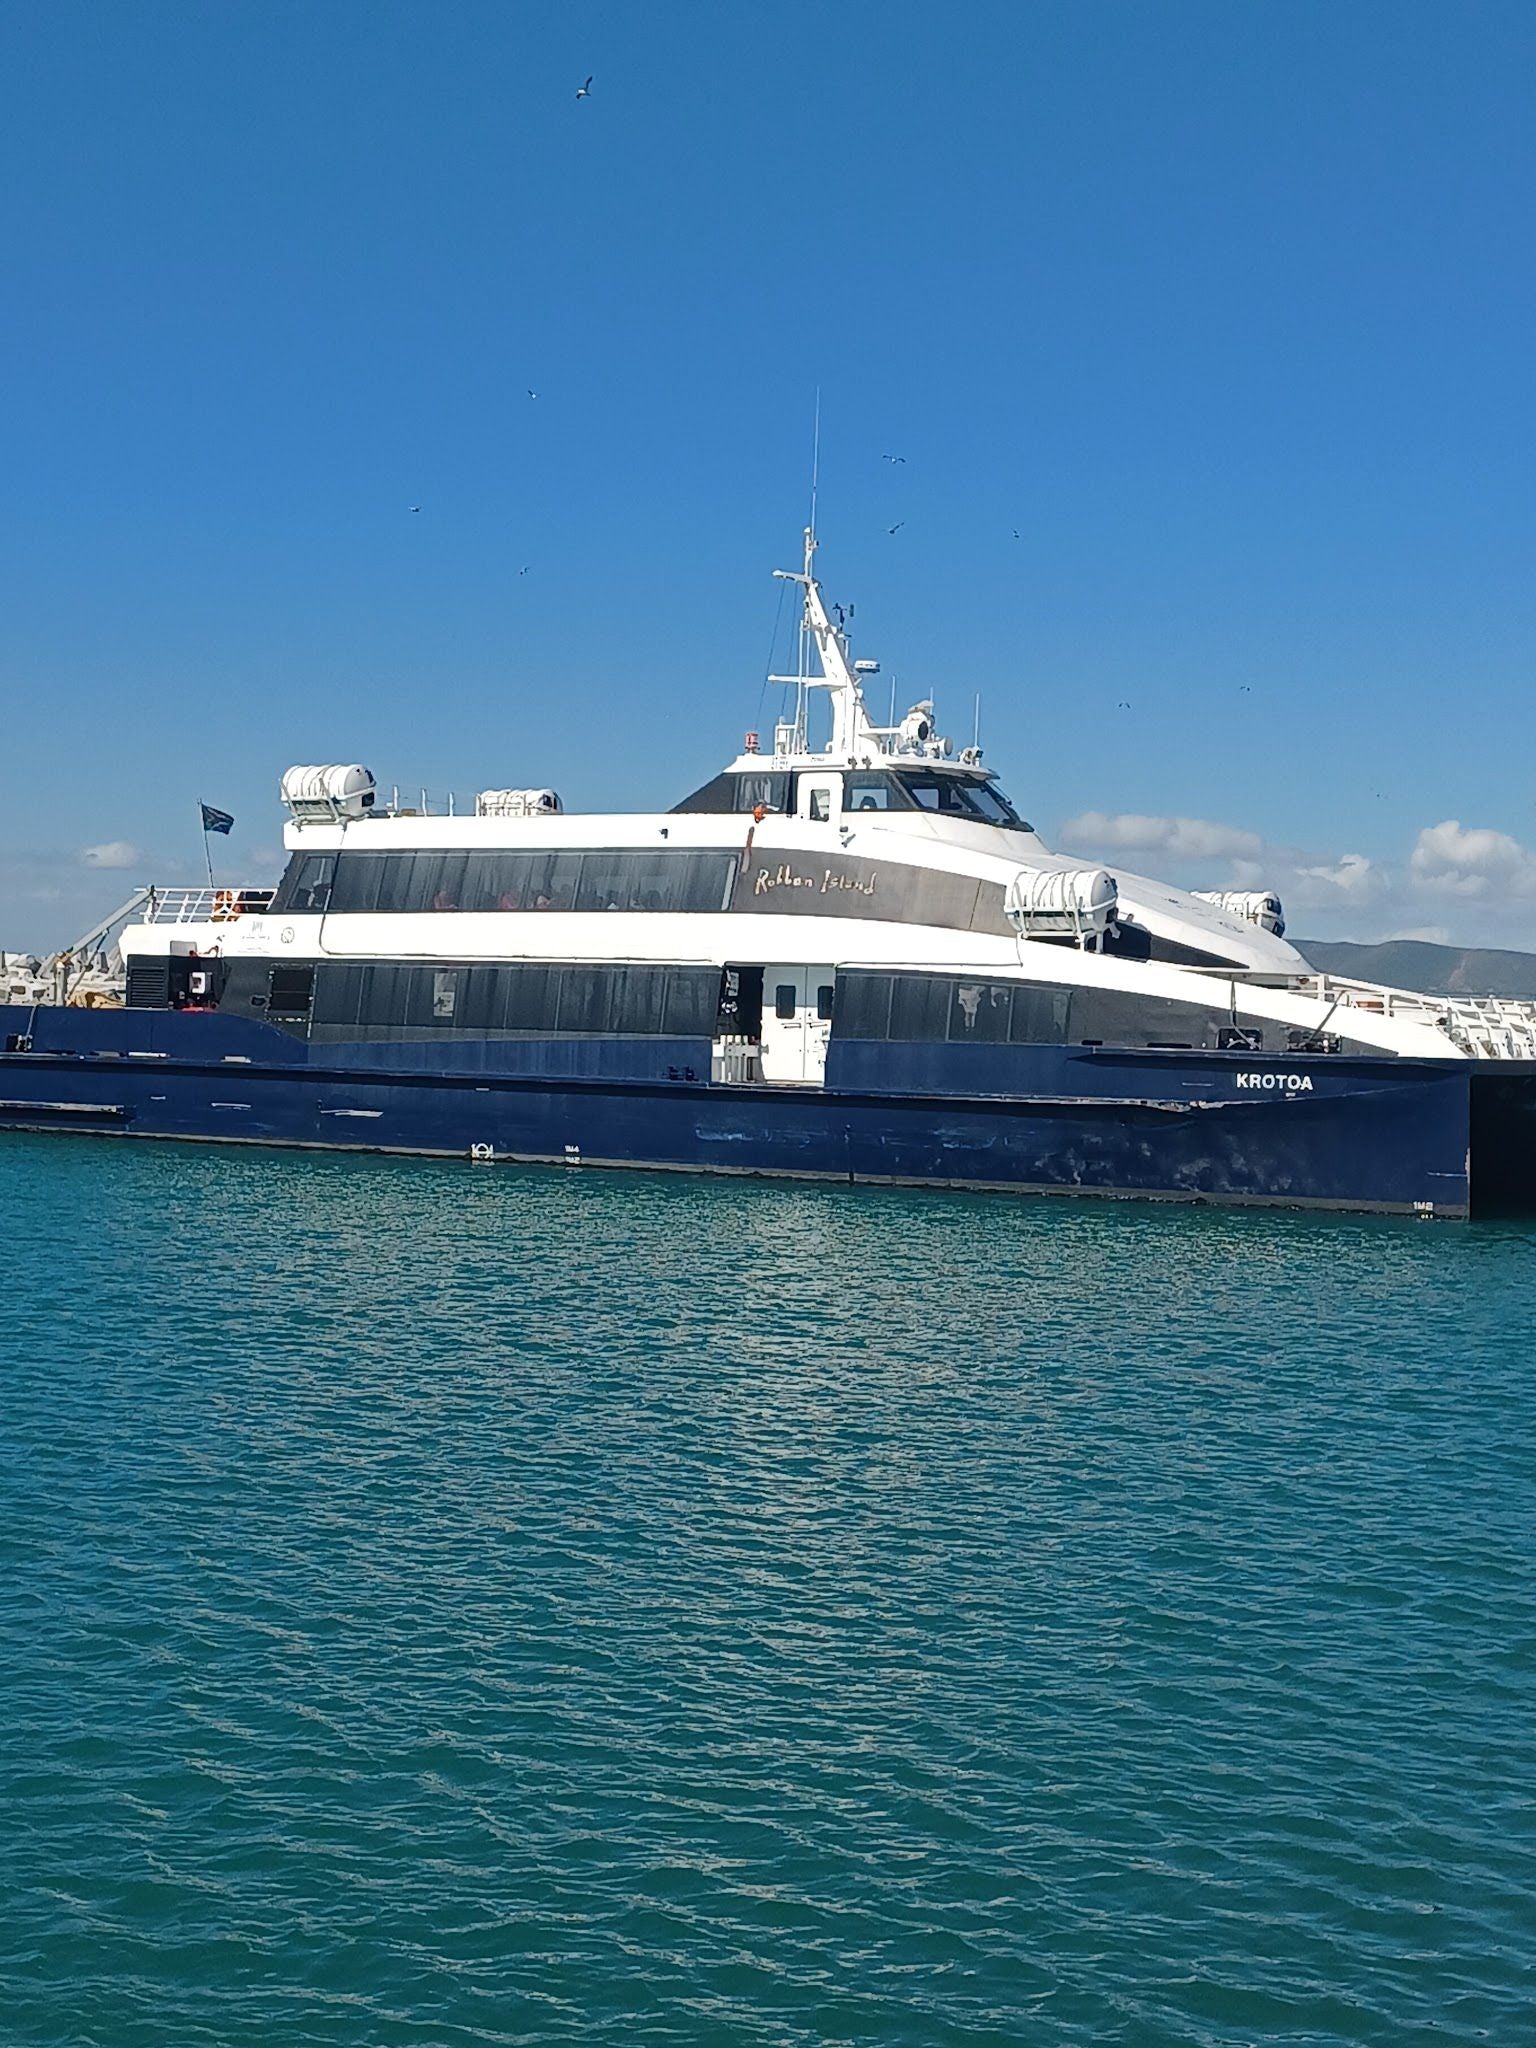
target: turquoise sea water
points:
(453, 1606)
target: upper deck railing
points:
(204, 906)
(1486, 1027)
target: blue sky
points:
(1225, 311)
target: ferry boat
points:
(852, 960)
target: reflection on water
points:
(452, 1605)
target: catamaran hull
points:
(1330, 1131)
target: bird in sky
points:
(1124, 704)
(1245, 689)
(897, 527)
(584, 92)
(533, 394)
(1017, 535)
(893, 458)
(415, 508)
(525, 568)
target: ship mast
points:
(851, 728)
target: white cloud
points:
(1455, 860)
(1488, 876)
(113, 853)
(1349, 879)
(1182, 838)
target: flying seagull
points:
(533, 394)
(893, 458)
(897, 527)
(1016, 534)
(1123, 705)
(584, 92)
(525, 568)
(415, 508)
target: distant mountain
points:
(1436, 970)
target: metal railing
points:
(737, 1059)
(1486, 1027)
(1493, 1027)
(204, 906)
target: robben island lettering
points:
(827, 883)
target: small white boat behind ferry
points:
(854, 960)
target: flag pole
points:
(207, 849)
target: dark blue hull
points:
(1322, 1130)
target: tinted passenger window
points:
(307, 883)
(919, 1007)
(1040, 1015)
(864, 1006)
(688, 1010)
(979, 1011)
(784, 1000)
(727, 793)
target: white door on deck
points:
(797, 1022)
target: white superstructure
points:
(881, 850)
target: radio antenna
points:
(815, 456)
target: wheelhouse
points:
(949, 792)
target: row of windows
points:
(454, 879)
(825, 885)
(389, 999)
(925, 1008)
(341, 1001)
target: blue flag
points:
(216, 821)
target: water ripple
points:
(452, 1607)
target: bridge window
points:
(958, 796)
(874, 792)
(306, 883)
